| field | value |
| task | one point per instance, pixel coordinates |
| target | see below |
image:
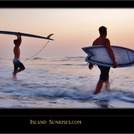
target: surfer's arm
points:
(111, 53)
(18, 35)
(90, 66)
(18, 38)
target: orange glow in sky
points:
(72, 29)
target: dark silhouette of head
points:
(15, 41)
(103, 30)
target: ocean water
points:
(63, 82)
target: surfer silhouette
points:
(18, 66)
(104, 71)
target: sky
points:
(72, 29)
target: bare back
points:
(101, 41)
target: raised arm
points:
(19, 40)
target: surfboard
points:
(99, 55)
(26, 34)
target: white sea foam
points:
(62, 83)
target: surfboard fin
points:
(48, 37)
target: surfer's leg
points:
(14, 74)
(99, 86)
(104, 76)
(21, 67)
(18, 67)
(107, 85)
(101, 80)
(15, 70)
(15, 62)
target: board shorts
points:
(17, 64)
(104, 73)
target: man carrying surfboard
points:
(18, 66)
(104, 71)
